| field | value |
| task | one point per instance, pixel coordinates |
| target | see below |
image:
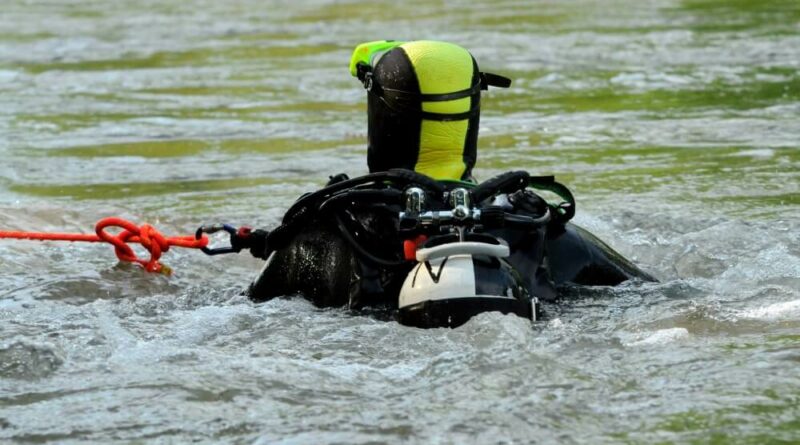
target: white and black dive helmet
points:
(454, 281)
(462, 273)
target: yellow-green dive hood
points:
(423, 106)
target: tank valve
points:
(415, 201)
(459, 197)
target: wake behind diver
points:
(418, 234)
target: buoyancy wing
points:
(576, 256)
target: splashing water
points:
(674, 123)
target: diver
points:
(364, 242)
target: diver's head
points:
(423, 106)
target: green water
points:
(675, 123)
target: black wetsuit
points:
(322, 264)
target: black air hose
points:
(396, 176)
(508, 182)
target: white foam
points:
(756, 153)
(771, 262)
(8, 76)
(786, 309)
(660, 337)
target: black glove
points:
(337, 178)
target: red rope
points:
(146, 235)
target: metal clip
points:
(214, 229)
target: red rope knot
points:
(149, 237)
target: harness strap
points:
(407, 101)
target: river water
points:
(675, 123)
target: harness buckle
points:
(368, 81)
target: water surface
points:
(675, 123)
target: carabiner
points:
(214, 229)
